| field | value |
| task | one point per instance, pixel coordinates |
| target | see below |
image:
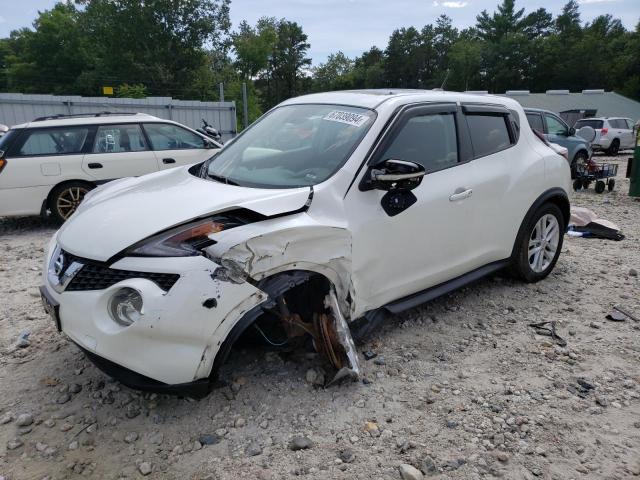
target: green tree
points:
(335, 74)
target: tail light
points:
(604, 131)
(3, 162)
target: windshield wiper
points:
(221, 179)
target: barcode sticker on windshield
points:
(355, 119)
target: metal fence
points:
(16, 108)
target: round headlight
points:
(125, 306)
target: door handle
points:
(168, 160)
(95, 165)
(460, 194)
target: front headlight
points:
(188, 239)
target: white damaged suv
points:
(330, 210)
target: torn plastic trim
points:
(344, 336)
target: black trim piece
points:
(429, 294)
(481, 109)
(196, 389)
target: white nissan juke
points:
(329, 211)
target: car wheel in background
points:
(614, 148)
(538, 244)
(65, 199)
(579, 163)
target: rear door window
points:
(535, 121)
(489, 134)
(119, 139)
(166, 136)
(53, 141)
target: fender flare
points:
(554, 195)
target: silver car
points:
(612, 133)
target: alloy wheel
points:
(543, 243)
(69, 200)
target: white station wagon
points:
(49, 164)
(330, 210)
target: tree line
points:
(185, 49)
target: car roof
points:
(89, 119)
(605, 118)
(374, 98)
(540, 110)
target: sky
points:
(353, 26)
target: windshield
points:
(588, 123)
(292, 146)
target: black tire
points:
(585, 183)
(579, 159)
(577, 184)
(520, 265)
(65, 198)
(600, 186)
(611, 185)
(614, 148)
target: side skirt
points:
(431, 293)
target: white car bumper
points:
(177, 338)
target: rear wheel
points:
(600, 186)
(611, 185)
(66, 198)
(577, 184)
(614, 148)
(539, 243)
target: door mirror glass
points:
(396, 175)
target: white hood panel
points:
(129, 210)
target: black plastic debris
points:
(550, 331)
(368, 354)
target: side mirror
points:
(393, 175)
(572, 132)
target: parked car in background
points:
(49, 164)
(557, 131)
(612, 134)
(329, 210)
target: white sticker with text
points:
(355, 119)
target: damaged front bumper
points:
(183, 333)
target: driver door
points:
(428, 242)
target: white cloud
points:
(589, 2)
(455, 4)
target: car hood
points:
(119, 214)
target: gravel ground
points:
(460, 388)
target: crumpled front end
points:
(176, 338)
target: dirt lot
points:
(461, 387)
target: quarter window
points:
(555, 126)
(489, 134)
(164, 136)
(535, 121)
(429, 140)
(54, 141)
(119, 138)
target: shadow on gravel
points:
(26, 225)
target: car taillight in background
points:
(604, 131)
(3, 162)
